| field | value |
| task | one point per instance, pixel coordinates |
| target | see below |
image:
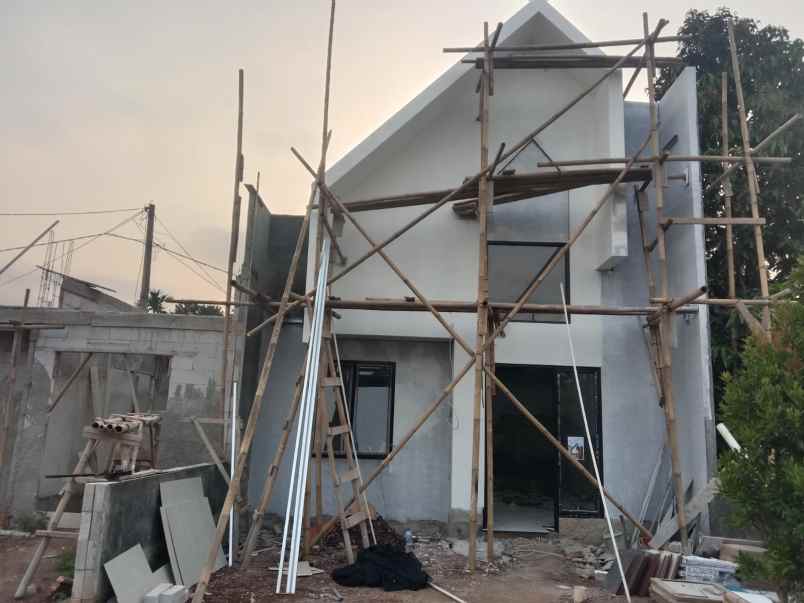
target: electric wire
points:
(91, 240)
(82, 212)
(182, 247)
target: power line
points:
(94, 238)
(123, 237)
(183, 248)
(81, 212)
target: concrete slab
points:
(189, 531)
(152, 596)
(179, 490)
(130, 575)
(175, 594)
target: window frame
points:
(353, 367)
(558, 245)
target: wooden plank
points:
(355, 518)
(714, 221)
(338, 430)
(58, 534)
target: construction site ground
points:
(535, 571)
(16, 553)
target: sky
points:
(112, 105)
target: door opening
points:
(533, 484)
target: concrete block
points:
(152, 596)
(130, 575)
(175, 594)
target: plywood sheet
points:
(189, 532)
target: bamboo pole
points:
(470, 181)
(725, 158)
(751, 175)
(211, 449)
(25, 249)
(575, 46)
(273, 472)
(634, 77)
(482, 308)
(727, 190)
(70, 381)
(251, 425)
(233, 241)
(662, 330)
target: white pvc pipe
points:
(592, 450)
(294, 466)
(311, 390)
(728, 437)
(233, 419)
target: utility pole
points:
(145, 286)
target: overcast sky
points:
(114, 104)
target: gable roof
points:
(513, 27)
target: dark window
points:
(514, 266)
(370, 400)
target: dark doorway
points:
(533, 485)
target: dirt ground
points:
(536, 572)
(16, 552)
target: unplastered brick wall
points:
(193, 347)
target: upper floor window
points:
(513, 266)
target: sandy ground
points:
(15, 553)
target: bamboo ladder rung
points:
(338, 430)
(355, 519)
(350, 476)
(58, 534)
(330, 382)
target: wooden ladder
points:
(358, 513)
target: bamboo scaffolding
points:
(483, 204)
(660, 330)
(765, 142)
(567, 61)
(265, 372)
(574, 46)
(470, 181)
(751, 175)
(664, 158)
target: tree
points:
(155, 304)
(773, 82)
(198, 309)
(763, 406)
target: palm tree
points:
(156, 302)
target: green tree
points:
(773, 81)
(763, 406)
(155, 304)
(197, 309)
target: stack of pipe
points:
(124, 423)
(301, 452)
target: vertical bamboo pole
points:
(662, 332)
(482, 305)
(751, 176)
(489, 397)
(233, 241)
(727, 190)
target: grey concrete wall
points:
(119, 515)
(417, 483)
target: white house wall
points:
(440, 254)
